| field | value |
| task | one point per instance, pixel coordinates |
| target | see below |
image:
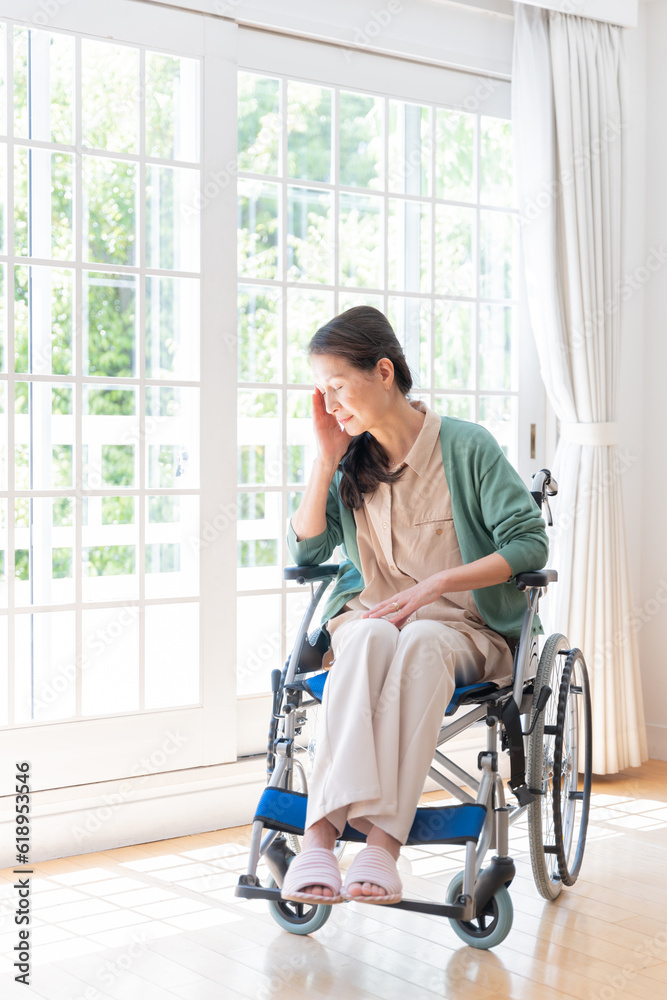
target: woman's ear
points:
(386, 370)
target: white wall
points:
(651, 197)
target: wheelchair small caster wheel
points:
(297, 918)
(488, 928)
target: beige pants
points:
(383, 705)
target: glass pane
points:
(499, 415)
(360, 240)
(44, 550)
(360, 140)
(43, 320)
(454, 256)
(409, 246)
(43, 105)
(172, 546)
(411, 320)
(456, 406)
(43, 185)
(3, 197)
(308, 131)
(110, 680)
(110, 545)
(259, 123)
(258, 237)
(259, 438)
(309, 235)
(348, 300)
(110, 437)
(45, 666)
(172, 107)
(3, 435)
(3, 318)
(173, 208)
(172, 437)
(258, 649)
(110, 210)
(109, 324)
(410, 148)
(454, 155)
(259, 315)
(43, 436)
(258, 549)
(497, 162)
(498, 358)
(301, 451)
(307, 311)
(172, 327)
(3, 557)
(497, 255)
(172, 655)
(109, 96)
(454, 345)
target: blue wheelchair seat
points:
(314, 686)
(280, 809)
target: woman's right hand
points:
(332, 439)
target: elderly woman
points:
(434, 522)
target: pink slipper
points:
(316, 866)
(377, 865)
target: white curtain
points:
(567, 109)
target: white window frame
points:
(94, 749)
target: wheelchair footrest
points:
(280, 809)
(258, 891)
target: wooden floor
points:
(160, 921)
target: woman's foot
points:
(324, 834)
(320, 834)
(376, 838)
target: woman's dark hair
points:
(361, 336)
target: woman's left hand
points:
(410, 600)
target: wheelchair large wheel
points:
(572, 798)
(295, 917)
(558, 819)
(489, 927)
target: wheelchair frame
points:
(543, 762)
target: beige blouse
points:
(405, 533)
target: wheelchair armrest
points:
(536, 578)
(303, 573)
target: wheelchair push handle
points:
(544, 485)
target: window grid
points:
(281, 386)
(77, 379)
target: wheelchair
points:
(542, 721)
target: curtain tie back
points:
(594, 434)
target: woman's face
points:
(357, 399)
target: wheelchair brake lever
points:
(542, 699)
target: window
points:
(350, 194)
(100, 395)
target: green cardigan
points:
(492, 510)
